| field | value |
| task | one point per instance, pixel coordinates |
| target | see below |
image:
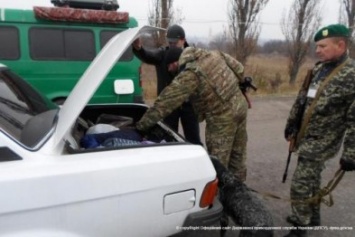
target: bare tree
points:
(348, 6)
(244, 27)
(299, 25)
(221, 42)
(162, 14)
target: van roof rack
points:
(109, 5)
(68, 14)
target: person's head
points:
(176, 36)
(331, 42)
(172, 59)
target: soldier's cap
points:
(175, 33)
(336, 30)
(173, 55)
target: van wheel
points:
(59, 101)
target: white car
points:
(51, 186)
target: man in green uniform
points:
(328, 122)
(210, 80)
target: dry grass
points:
(149, 81)
(269, 74)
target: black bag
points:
(111, 5)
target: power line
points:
(204, 21)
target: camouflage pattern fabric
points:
(332, 123)
(305, 184)
(226, 138)
(210, 81)
(333, 116)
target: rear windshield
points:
(20, 108)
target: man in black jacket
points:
(157, 57)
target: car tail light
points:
(209, 193)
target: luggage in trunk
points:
(88, 4)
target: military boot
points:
(297, 233)
(315, 219)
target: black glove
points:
(347, 165)
(140, 132)
(246, 84)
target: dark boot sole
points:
(292, 221)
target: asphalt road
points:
(267, 153)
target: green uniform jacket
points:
(332, 121)
(211, 81)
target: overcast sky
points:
(204, 18)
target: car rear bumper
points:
(198, 220)
(206, 217)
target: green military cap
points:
(336, 30)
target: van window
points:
(9, 43)
(106, 35)
(61, 44)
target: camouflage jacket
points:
(209, 78)
(332, 121)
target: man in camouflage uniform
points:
(184, 113)
(210, 79)
(328, 122)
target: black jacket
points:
(156, 57)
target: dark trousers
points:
(189, 122)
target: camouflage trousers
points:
(306, 183)
(226, 139)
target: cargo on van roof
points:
(80, 15)
(88, 4)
